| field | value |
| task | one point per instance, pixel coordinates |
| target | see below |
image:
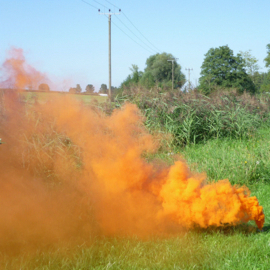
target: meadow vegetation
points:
(193, 117)
(225, 135)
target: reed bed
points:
(193, 117)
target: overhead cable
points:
(124, 25)
(140, 32)
(130, 37)
(100, 4)
(89, 4)
(136, 35)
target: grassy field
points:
(44, 96)
(241, 247)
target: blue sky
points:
(68, 39)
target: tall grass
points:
(243, 161)
(193, 117)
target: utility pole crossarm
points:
(110, 13)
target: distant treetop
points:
(221, 68)
(44, 87)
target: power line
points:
(89, 4)
(140, 32)
(136, 35)
(156, 49)
(111, 4)
(135, 27)
(130, 37)
(124, 25)
(100, 4)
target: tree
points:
(221, 68)
(250, 63)
(44, 87)
(267, 58)
(90, 89)
(148, 80)
(265, 82)
(251, 67)
(78, 88)
(72, 90)
(103, 89)
(133, 78)
(159, 70)
(136, 74)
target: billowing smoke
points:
(68, 172)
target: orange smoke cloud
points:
(189, 200)
(69, 171)
(18, 74)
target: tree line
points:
(220, 69)
(90, 89)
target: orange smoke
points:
(189, 200)
(69, 171)
(18, 74)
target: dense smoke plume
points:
(69, 172)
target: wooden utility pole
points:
(172, 60)
(189, 69)
(110, 64)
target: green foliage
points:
(148, 80)
(133, 78)
(115, 92)
(136, 74)
(193, 117)
(267, 58)
(262, 82)
(158, 71)
(90, 89)
(250, 63)
(243, 161)
(161, 70)
(221, 68)
(103, 89)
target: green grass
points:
(243, 161)
(240, 247)
(232, 249)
